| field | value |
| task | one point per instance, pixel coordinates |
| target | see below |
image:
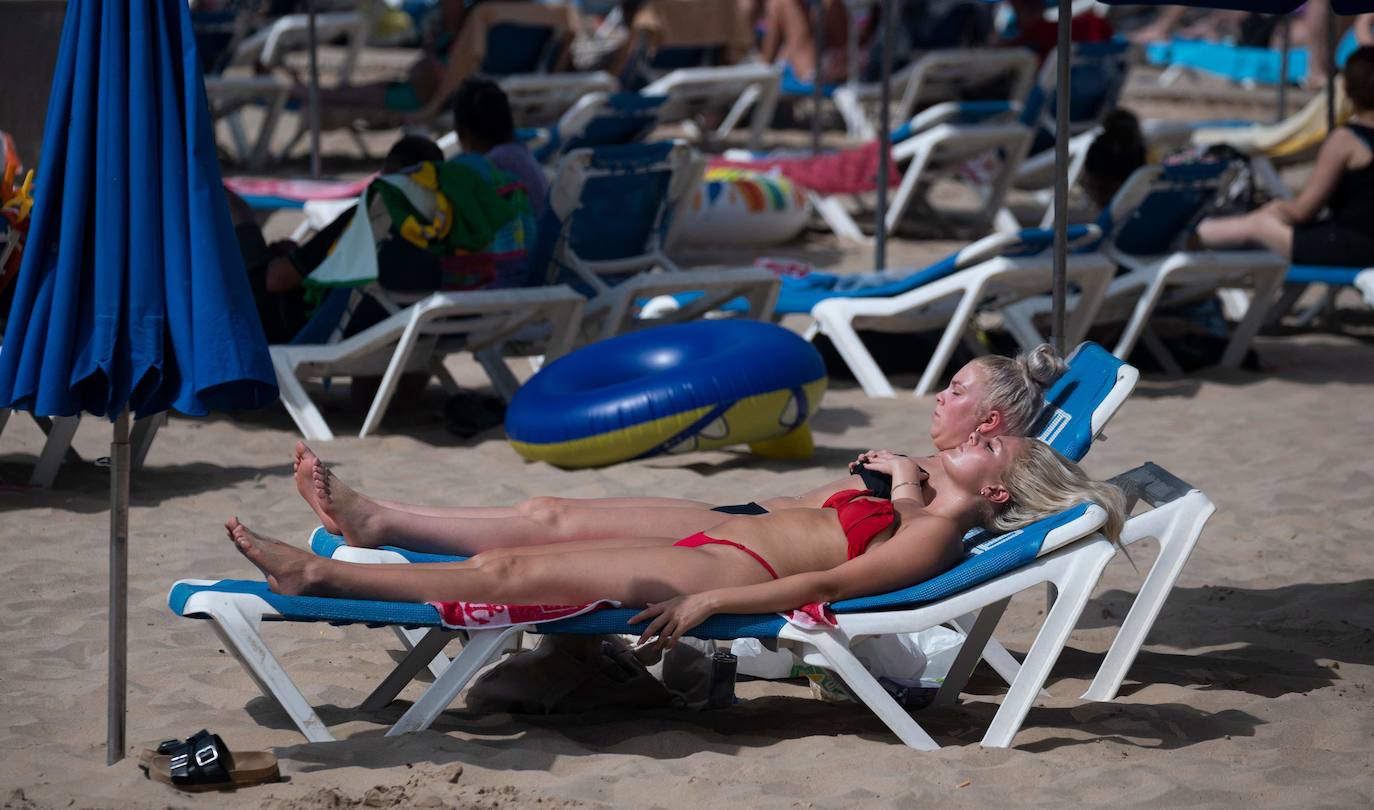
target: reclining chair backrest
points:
(609, 213)
(618, 119)
(516, 48)
(1157, 206)
(1073, 412)
(1097, 76)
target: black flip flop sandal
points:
(203, 762)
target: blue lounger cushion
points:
(1319, 274)
(797, 295)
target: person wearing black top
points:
(1342, 184)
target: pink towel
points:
(813, 614)
(480, 616)
(853, 171)
(296, 189)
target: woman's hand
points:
(902, 469)
(873, 455)
(673, 618)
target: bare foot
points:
(304, 462)
(354, 515)
(288, 570)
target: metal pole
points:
(1330, 69)
(1061, 178)
(119, 591)
(817, 96)
(1285, 45)
(884, 139)
(314, 91)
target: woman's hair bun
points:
(1043, 365)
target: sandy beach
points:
(1253, 689)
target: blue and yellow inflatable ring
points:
(672, 389)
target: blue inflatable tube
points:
(671, 389)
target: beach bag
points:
(568, 675)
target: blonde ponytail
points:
(1016, 385)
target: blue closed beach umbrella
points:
(132, 295)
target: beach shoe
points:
(203, 762)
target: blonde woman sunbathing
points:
(853, 546)
(993, 396)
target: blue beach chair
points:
(1145, 228)
(597, 119)
(1098, 72)
(989, 275)
(1063, 549)
(605, 231)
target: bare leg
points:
(789, 36)
(304, 462)
(1260, 226)
(365, 523)
(633, 575)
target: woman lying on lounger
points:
(993, 396)
(853, 546)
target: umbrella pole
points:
(817, 94)
(884, 141)
(1061, 179)
(1330, 70)
(1285, 45)
(314, 91)
(119, 590)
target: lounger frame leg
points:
(840, 329)
(411, 636)
(1266, 281)
(944, 350)
(238, 625)
(141, 438)
(294, 398)
(1177, 526)
(1075, 583)
(422, 654)
(978, 641)
(833, 645)
(60, 430)
(481, 646)
(832, 211)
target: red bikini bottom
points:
(700, 539)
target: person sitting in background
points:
(1113, 156)
(1342, 183)
(456, 52)
(790, 37)
(717, 28)
(483, 121)
(276, 271)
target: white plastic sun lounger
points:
(1063, 549)
(1144, 227)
